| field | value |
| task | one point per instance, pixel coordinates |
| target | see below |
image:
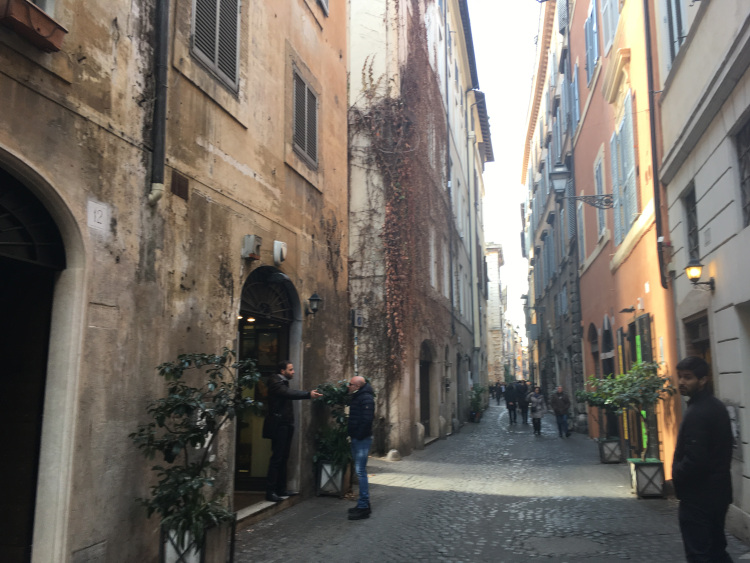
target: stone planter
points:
(33, 24)
(610, 450)
(647, 477)
(331, 479)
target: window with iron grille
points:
(215, 40)
(675, 20)
(691, 220)
(743, 149)
(305, 121)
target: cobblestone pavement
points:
(488, 493)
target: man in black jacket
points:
(279, 427)
(511, 403)
(361, 414)
(701, 467)
(522, 391)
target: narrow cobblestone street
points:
(489, 493)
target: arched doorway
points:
(425, 364)
(31, 255)
(269, 307)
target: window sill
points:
(33, 24)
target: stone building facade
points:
(706, 132)
(496, 307)
(419, 139)
(171, 180)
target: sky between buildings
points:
(504, 33)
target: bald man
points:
(361, 413)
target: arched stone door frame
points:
(68, 317)
(272, 276)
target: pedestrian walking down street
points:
(538, 406)
(492, 391)
(498, 392)
(510, 404)
(522, 391)
(279, 428)
(560, 405)
(361, 414)
(701, 466)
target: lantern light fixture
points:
(694, 271)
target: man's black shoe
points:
(273, 497)
(567, 434)
(356, 508)
(360, 514)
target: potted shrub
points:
(476, 403)
(595, 395)
(333, 454)
(182, 434)
(640, 389)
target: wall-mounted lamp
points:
(312, 304)
(559, 176)
(694, 271)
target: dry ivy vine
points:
(398, 136)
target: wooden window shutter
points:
(227, 51)
(305, 120)
(627, 149)
(204, 36)
(216, 37)
(312, 126)
(613, 154)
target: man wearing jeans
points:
(361, 413)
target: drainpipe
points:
(448, 164)
(159, 125)
(654, 159)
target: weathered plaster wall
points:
(167, 279)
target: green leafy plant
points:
(183, 430)
(476, 397)
(639, 389)
(331, 441)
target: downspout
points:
(159, 126)
(654, 159)
(448, 166)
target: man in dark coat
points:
(701, 467)
(522, 391)
(279, 427)
(361, 414)
(560, 405)
(510, 403)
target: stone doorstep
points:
(430, 439)
(261, 510)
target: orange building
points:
(626, 306)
